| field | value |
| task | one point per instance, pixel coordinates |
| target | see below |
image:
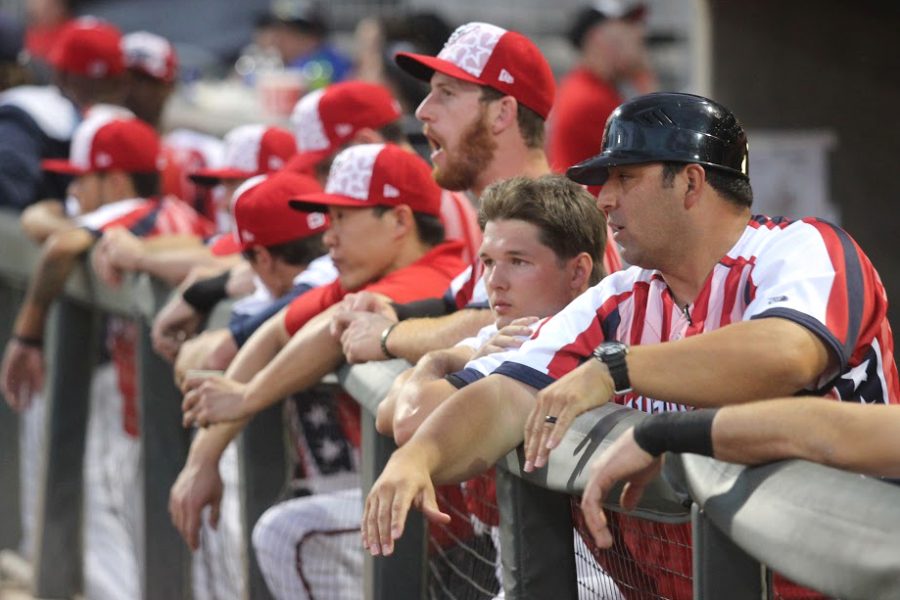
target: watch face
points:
(610, 348)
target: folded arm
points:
(763, 358)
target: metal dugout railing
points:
(834, 531)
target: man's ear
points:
(696, 181)
(582, 267)
(405, 220)
(262, 258)
(504, 113)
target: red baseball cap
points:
(325, 119)
(370, 175)
(262, 216)
(88, 47)
(150, 54)
(105, 143)
(485, 54)
(250, 150)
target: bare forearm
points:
(474, 428)
(425, 390)
(43, 219)
(58, 260)
(765, 358)
(209, 444)
(845, 435)
(173, 266)
(174, 241)
(412, 338)
(310, 354)
(265, 343)
(416, 404)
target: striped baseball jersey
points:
(807, 271)
(148, 217)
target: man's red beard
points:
(475, 152)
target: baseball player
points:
(777, 306)
(532, 227)
(114, 162)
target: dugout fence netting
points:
(648, 560)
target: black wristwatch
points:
(612, 354)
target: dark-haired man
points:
(720, 307)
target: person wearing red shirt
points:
(609, 38)
(386, 237)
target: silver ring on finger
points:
(550, 420)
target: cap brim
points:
(321, 202)
(214, 176)
(422, 66)
(60, 165)
(593, 171)
(225, 245)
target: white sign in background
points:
(789, 171)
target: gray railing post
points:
(166, 561)
(401, 575)
(10, 524)
(262, 472)
(535, 524)
(70, 354)
(721, 568)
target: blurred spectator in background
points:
(247, 151)
(300, 36)
(88, 63)
(45, 22)
(152, 66)
(609, 37)
(378, 40)
(36, 122)
(11, 39)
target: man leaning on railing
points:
(720, 307)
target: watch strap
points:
(612, 354)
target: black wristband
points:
(430, 307)
(689, 432)
(31, 342)
(206, 293)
